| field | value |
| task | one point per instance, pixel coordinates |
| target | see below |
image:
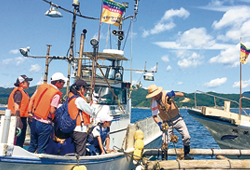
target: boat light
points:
(75, 2)
(53, 12)
(94, 42)
(24, 51)
(148, 77)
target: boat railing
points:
(218, 97)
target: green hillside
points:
(139, 100)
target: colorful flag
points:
(244, 52)
(112, 12)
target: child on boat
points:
(98, 136)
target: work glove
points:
(159, 124)
(171, 94)
(19, 122)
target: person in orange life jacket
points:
(43, 104)
(171, 115)
(99, 135)
(18, 104)
(80, 110)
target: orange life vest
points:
(43, 98)
(172, 113)
(73, 112)
(23, 107)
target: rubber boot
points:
(164, 154)
(186, 153)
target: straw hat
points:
(153, 90)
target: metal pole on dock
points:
(6, 126)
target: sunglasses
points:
(61, 81)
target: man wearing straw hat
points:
(163, 105)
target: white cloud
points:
(216, 82)
(14, 51)
(35, 68)
(165, 58)
(166, 22)
(191, 61)
(7, 61)
(234, 23)
(169, 68)
(153, 68)
(228, 57)
(145, 33)
(160, 27)
(244, 84)
(196, 38)
(19, 60)
(174, 45)
(233, 17)
(179, 83)
(182, 13)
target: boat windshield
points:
(105, 96)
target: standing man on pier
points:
(18, 104)
(42, 107)
(163, 105)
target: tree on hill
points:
(139, 98)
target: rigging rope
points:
(96, 57)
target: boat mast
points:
(79, 68)
(240, 88)
(71, 56)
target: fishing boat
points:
(111, 95)
(231, 130)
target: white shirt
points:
(154, 107)
(85, 107)
(96, 131)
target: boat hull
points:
(15, 157)
(226, 134)
(30, 161)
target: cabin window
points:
(105, 96)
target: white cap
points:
(105, 117)
(58, 76)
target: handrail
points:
(243, 97)
(220, 98)
(213, 96)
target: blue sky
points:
(196, 43)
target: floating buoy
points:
(139, 134)
(79, 167)
(139, 145)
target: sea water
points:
(200, 137)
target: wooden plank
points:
(234, 152)
(199, 164)
(2, 112)
(208, 111)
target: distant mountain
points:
(5, 92)
(139, 100)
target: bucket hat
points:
(153, 90)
